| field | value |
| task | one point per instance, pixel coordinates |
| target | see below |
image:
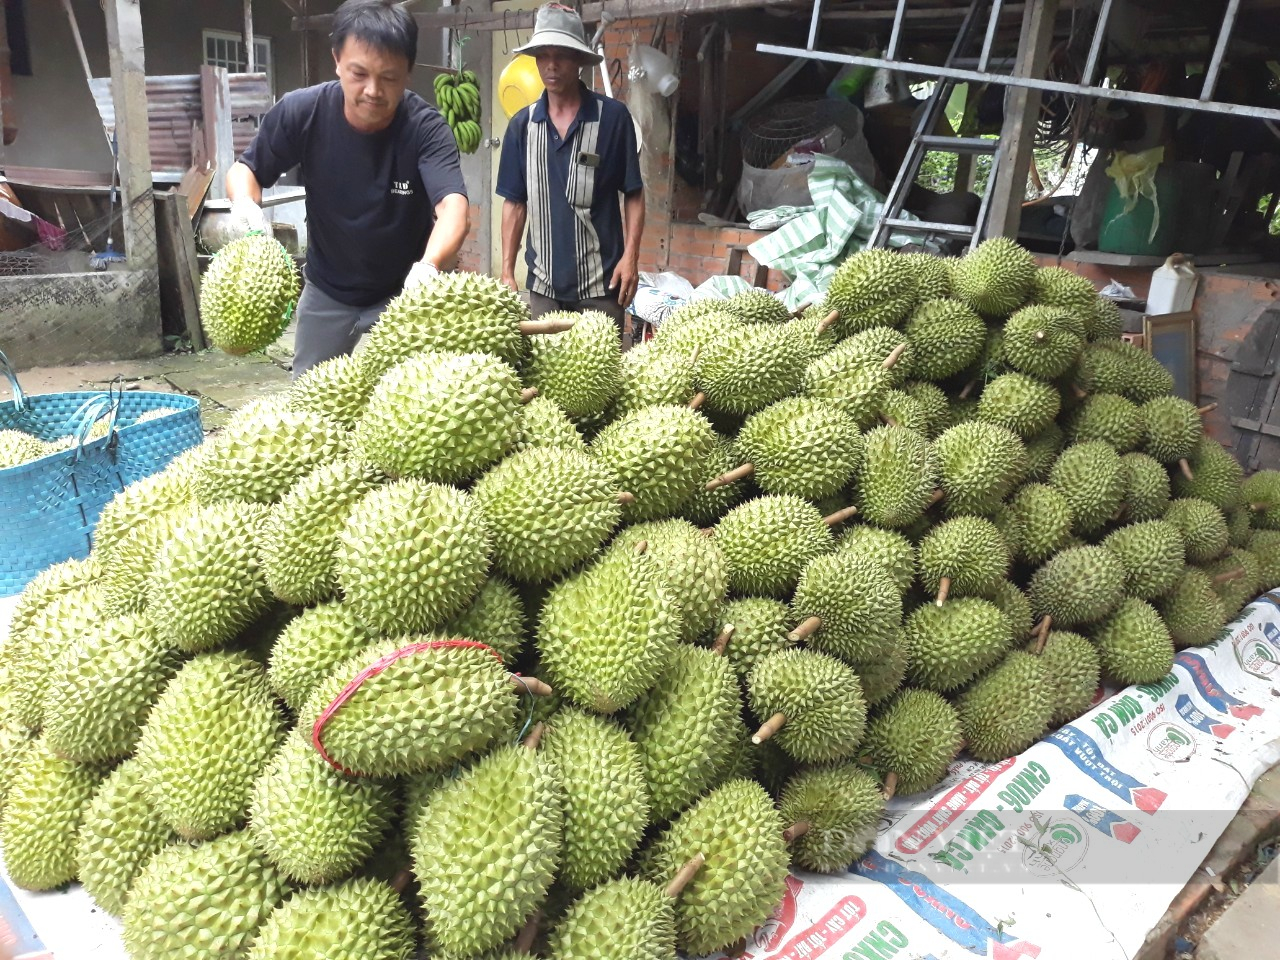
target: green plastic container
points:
(1130, 232)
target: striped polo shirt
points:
(572, 188)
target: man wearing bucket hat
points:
(570, 171)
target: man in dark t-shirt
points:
(386, 202)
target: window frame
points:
(260, 42)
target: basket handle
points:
(90, 412)
(19, 398)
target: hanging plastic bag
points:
(1135, 177)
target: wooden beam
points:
(129, 95)
(215, 99)
(1021, 115)
(249, 65)
(179, 266)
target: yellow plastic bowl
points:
(519, 85)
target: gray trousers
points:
(327, 328)
(539, 305)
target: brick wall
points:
(474, 255)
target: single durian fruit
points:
(247, 294)
(316, 824)
(411, 555)
(1140, 375)
(888, 549)
(933, 275)
(962, 556)
(800, 446)
(1240, 527)
(1261, 494)
(847, 607)
(496, 618)
(479, 886)
(934, 403)
(810, 703)
(873, 347)
(738, 832)
(259, 457)
(337, 389)
(1059, 287)
(996, 278)
(444, 417)
(1107, 323)
(580, 369)
(606, 633)
(858, 387)
(634, 917)
(872, 288)
(120, 831)
(1203, 528)
(548, 509)
(692, 564)
(832, 814)
(901, 409)
(1015, 605)
(694, 327)
(915, 736)
(1042, 342)
(811, 331)
(1044, 519)
(1042, 453)
(706, 507)
(1092, 478)
(1265, 545)
(898, 477)
(1236, 578)
(203, 900)
(1074, 672)
(768, 541)
(979, 465)
(1020, 403)
(43, 811)
(946, 337)
(752, 628)
(1147, 490)
(152, 496)
(1008, 709)
(543, 424)
(207, 739)
(748, 368)
(130, 561)
(1216, 475)
(1109, 418)
(103, 687)
(297, 538)
(682, 725)
(1153, 556)
(1173, 429)
(310, 646)
(1078, 585)
(1134, 645)
(951, 644)
(757, 306)
(656, 454)
(607, 801)
(358, 919)
(421, 703)
(1192, 610)
(653, 374)
(882, 678)
(16, 743)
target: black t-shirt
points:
(370, 196)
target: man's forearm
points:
(242, 184)
(633, 214)
(513, 220)
(453, 222)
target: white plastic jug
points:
(654, 70)
(1173, 286)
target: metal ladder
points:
(923, 140)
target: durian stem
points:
(685, 876)
(401, 881)
(535, 686)
(796, 831)
(828, 322)
(968, 389)
(1040, 335)
(890, 786)
(771, 726)
(529, 932)
(698, 400)
(721, 642)
(626, 499)
(532, 328)
(707, 531)
(642, 548)
(535, 736)
(1079, 392)
(693, 357)
(840, 516)
(892, 359)
(808, 627)
(1186, 468)
(527, 394)
(733, 476)
(1258, 507)
(944, 588)
(1230, 575)
(1207, 408)
(799, 311)
(936, 498)
(888, 420)
(1042, 634)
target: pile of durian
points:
(493, 642)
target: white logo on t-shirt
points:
(401, 188)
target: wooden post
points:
(129, 95)
(179, 267)
(215, 99)
(1021, 114)
(249, 65)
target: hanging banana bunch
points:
(458, 99)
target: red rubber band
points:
(373, 670)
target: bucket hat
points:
(559, 26)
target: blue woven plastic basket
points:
(49, 506)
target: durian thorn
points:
(1207, 408)
(828, 322)
(799, 311)
(532, 328)
(1079, 391)
(626, 499)
(529, 932)
(936, 497)
(895, 355)
(685, 876)
(840, 516)
(535, 735)
(1040, 335)
(401, 880)
(732, 476)
(527, 394)
(535, 686)
(888, 419)
(944, 588)
(1186, 468)
(771, 726)
(890, 786)
(796, 831)
(721, 642)
(968, 389)
(1230, 575)
(698, 400)
(807, 628)
(642, 548)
